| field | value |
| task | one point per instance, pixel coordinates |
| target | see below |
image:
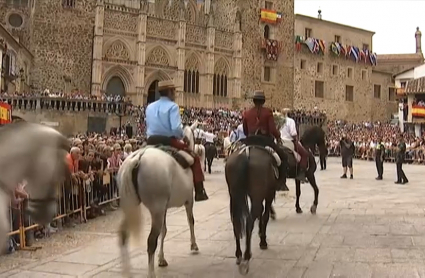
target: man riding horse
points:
(163, 121)
(289, 136)
(260, 128)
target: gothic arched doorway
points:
(153, 93)
(115, 87)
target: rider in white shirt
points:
(288, 132)
(241, 134)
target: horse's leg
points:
(157, 223)
(298, 193)
(256, 211)
(162, 262)
(210, 160)
(125, 257)
(264, 222)
(191, 221)
(312, 180)
(237, 232)
(272, 213)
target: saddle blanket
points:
(244, 148)
(290, 145)
(182, 157)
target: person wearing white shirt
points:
(234, 134)
(209, 137)
(199, 135)
(288, 132)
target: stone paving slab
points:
(363, 228)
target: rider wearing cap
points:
(288, 132)
(163, 120)
(259, 120)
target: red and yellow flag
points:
(418, 111)
(270, 16)
(5, 113)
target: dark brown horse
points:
(312, 137)
(250, 174)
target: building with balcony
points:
(210, 48)
(15, 63)
(335, 70)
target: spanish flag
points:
(270, 16)
(418, 111)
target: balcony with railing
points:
(66, 105)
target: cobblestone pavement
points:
(363, 228)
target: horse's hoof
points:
(299, 210)
(238, 260)
(194, 248)
(244, 268)
(313, 209)
(263, 246)
(162, 263)
(273, 216)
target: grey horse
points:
(36, 154)
(154, 178)
(250, 174)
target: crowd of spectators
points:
(365, 136)
(69, 96)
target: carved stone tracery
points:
(160, 27)
(192, 63)
(158, 56)
(118, 50)
(221, 67)
(223, 39)
(195, 34)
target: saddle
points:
(289, 148)
(163, 143)
(257, 144)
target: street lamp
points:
(120, 114)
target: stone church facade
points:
(211, 50)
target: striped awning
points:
(416, 86)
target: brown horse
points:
(250, 172)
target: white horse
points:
(35, 153)
(200, 151)
(153, 177)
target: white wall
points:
(419, 71)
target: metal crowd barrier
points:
(366, 153)
(74, 201)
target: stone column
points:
(181, 59)
(209, 67)
(141, 55)
(237, 63)
(2, 50)
(98, 49)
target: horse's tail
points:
(130, 203)
(239, 209)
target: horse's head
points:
(46, 172)
(188, 136)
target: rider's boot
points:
(200, 194)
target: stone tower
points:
(418, 37)
(279, 87)
(60, 36)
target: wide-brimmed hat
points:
(166, 84)
(286, 110)
(259, 95)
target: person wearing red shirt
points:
(260, 129)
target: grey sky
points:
(394, 22)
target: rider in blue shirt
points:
(163, 120)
